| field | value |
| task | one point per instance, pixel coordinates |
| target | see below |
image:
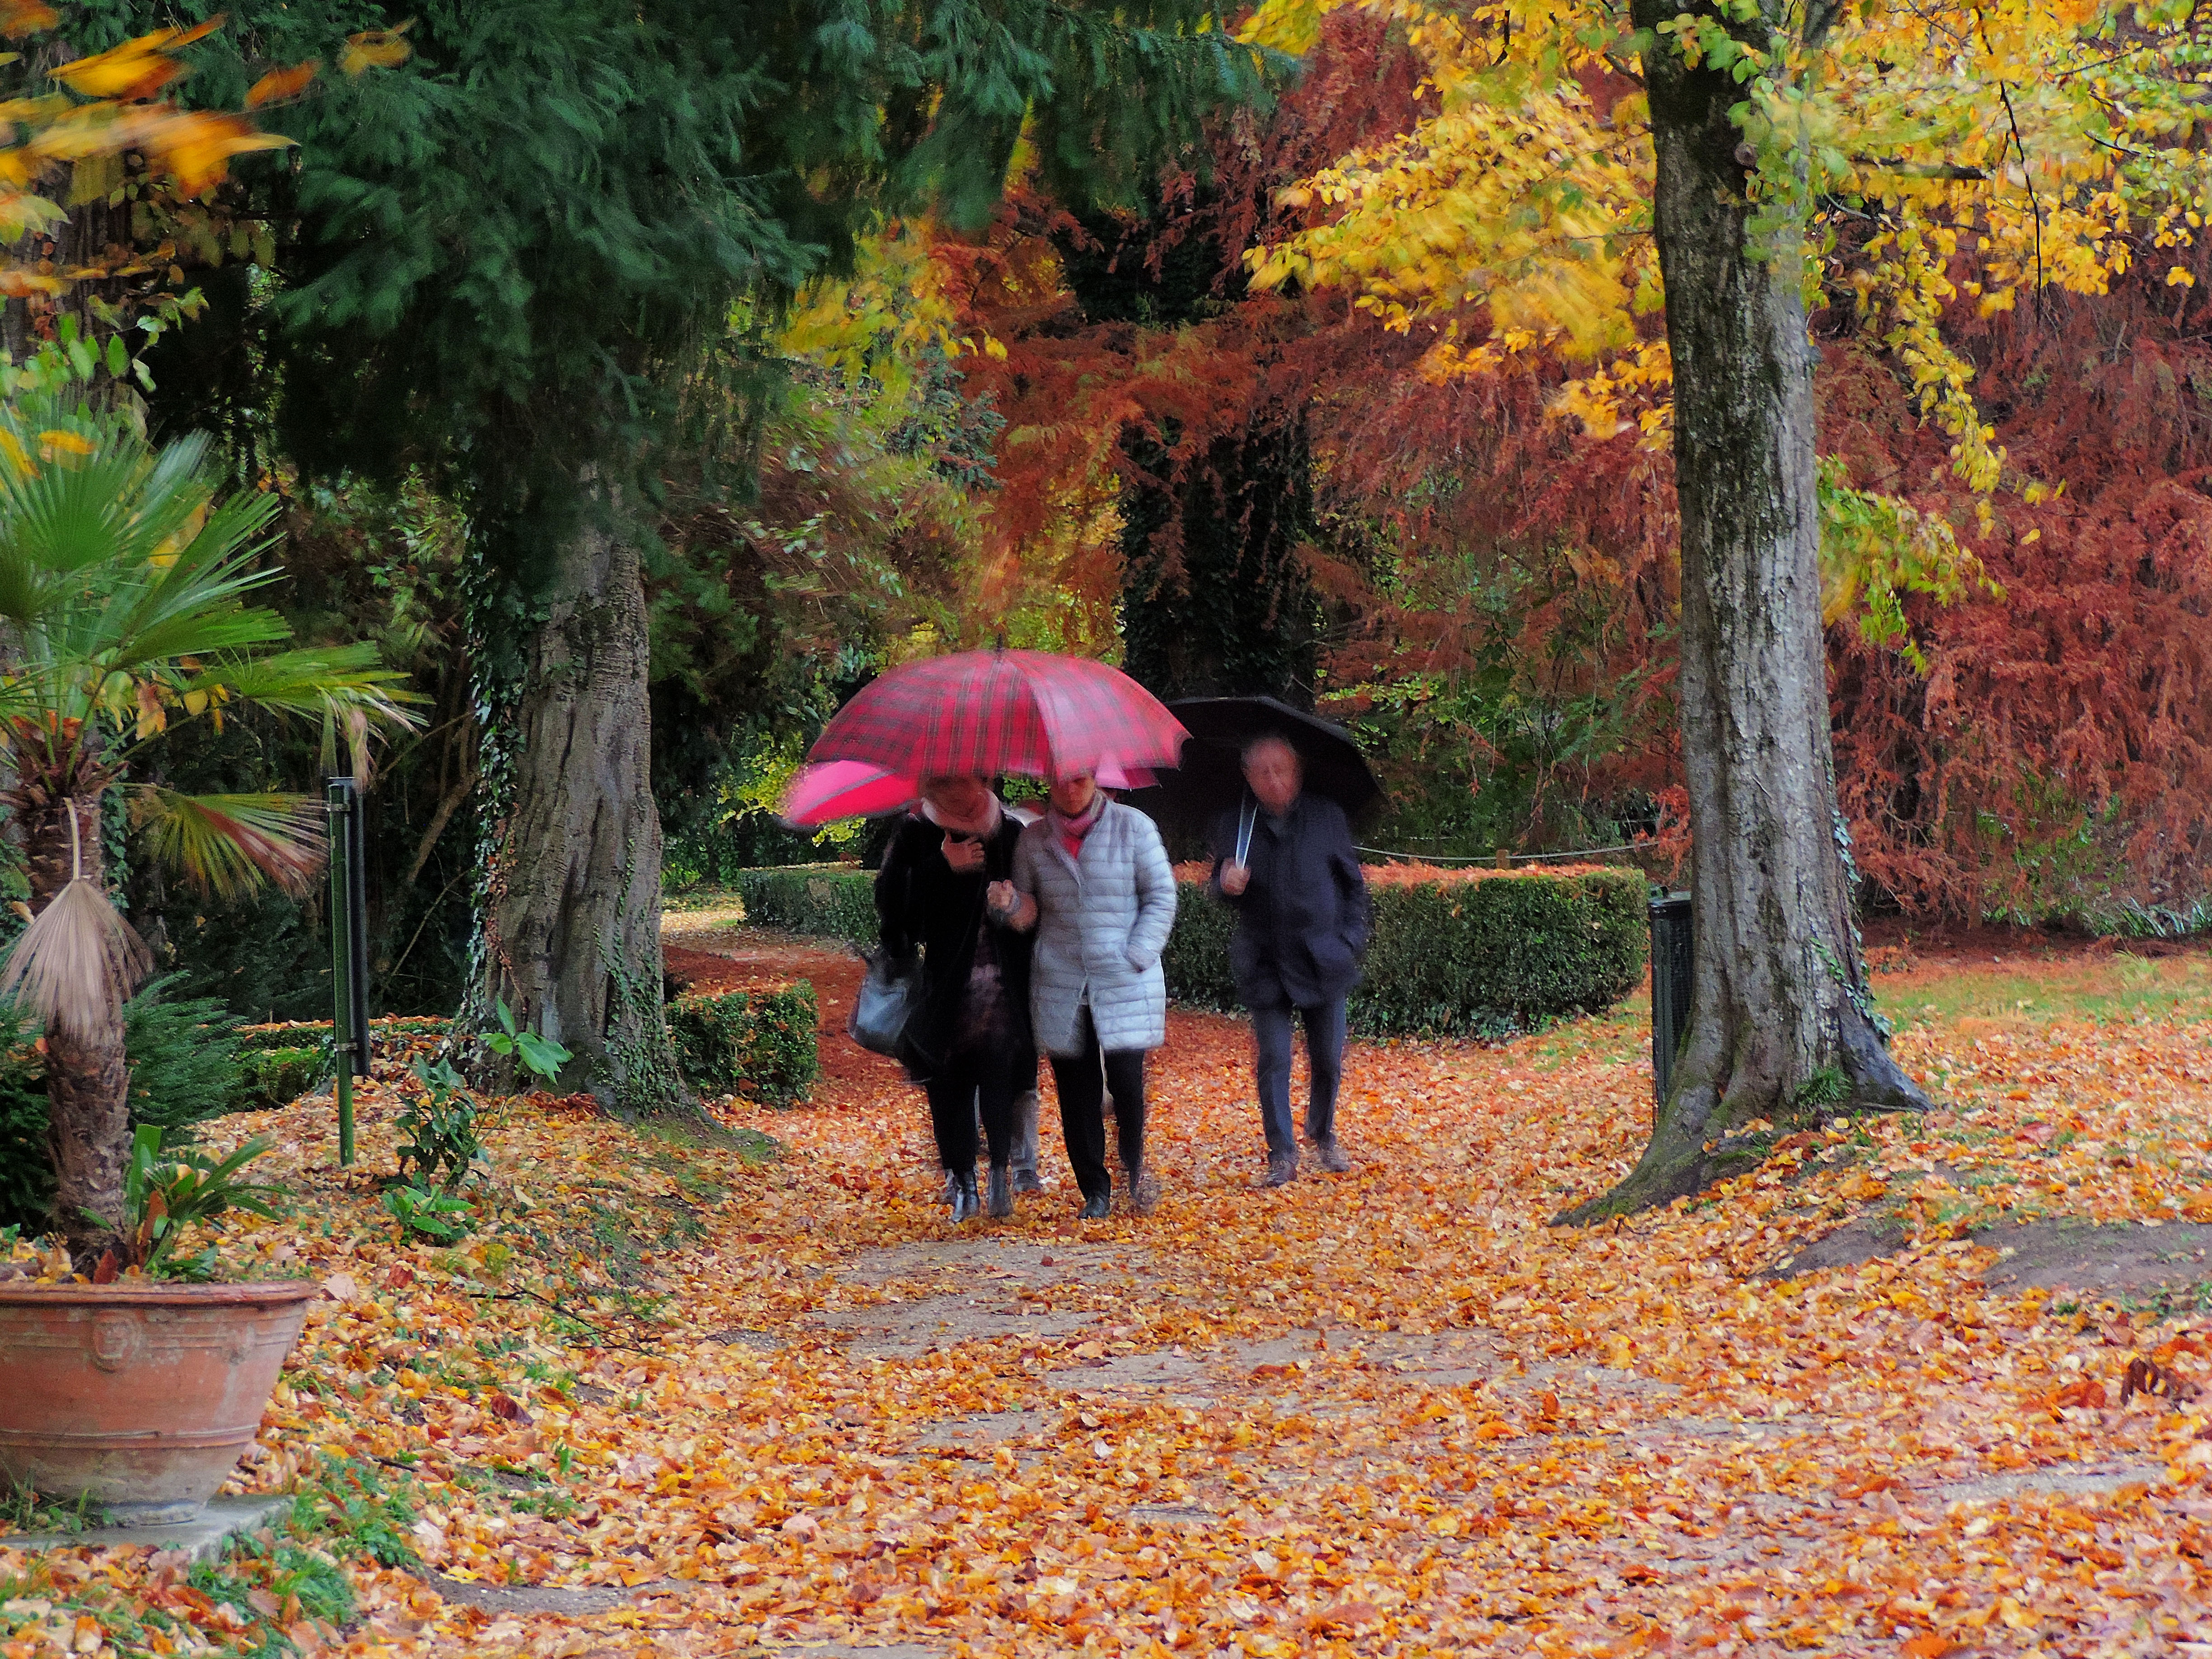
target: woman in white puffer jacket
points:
(1093, 880)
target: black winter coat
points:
(1304, 919)
(923, 904)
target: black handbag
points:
(887, 998)
(891, 998)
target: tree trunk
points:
(574, 917)
(1780, 1022)
(87, 1081)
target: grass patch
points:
(2168, 1300)
(2027, 991)
(751, 1146)
(362, 1508)
(248, 1603)
(25, 1511)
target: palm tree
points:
(123, 587)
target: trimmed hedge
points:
(316, 1033)
(1479, 956)
(759, 1042)
(830, 900)
(1473, 951)
(278, 1076)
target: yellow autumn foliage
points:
(2044, 140)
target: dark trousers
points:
(1026, 1119)
(972, 1089)
(1083, 1079)
(1270, 1032)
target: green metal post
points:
(337, 801)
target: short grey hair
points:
(1253, 745)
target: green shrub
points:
(184, 1058)
(1475, 955)
(183, 1067)
(272, 1078)
(829, 901)
(1196, 957)
(442, 1142)
(316, 1033)
(759, 1042)
(26, 1173)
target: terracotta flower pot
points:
(139, 1396)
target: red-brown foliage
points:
(1073, 390)
(2056, 757)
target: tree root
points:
(1661, 1179)
(1677, 1165)
(1875, 1082)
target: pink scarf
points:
(1072, 830)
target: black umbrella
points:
(1210, 781)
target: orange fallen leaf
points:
(1343, 1615)
(282, 84)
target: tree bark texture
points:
(1778, 1019)
(573, 919)
(87, 1080)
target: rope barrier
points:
(1516, 858)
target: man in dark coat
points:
(1286, 861)
(969, 1044)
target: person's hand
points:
(1235, 878)
(999, 896)
(964, 856)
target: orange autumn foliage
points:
(679, 1402)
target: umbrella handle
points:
(1244, 827)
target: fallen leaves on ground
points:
(1391, 1413)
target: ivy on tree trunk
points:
(571, 919)
(1780, 1018)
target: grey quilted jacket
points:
(1100, 926)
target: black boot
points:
(966, 1205)
(1002, 1192)
(1096, 1207)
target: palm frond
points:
(130, 587)
(76, 963)
(196, 631)
(187, 601)
(315, 679)
(228, 845)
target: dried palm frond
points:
(77, 962)
(228, 845)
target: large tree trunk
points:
(1780, 1022)
(573, 923)
(87, 1081)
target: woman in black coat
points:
(968, 1043)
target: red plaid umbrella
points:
(988, 712)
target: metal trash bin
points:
(1672, 980)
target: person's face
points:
(961, 801)
(1273, 772)
(1072, 795)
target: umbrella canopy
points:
(1030, 713)
(823, 792)
(1212, 780)
(829, 790)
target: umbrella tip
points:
(999, 644)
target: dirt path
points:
(787, 1409)
(1265, 1444)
